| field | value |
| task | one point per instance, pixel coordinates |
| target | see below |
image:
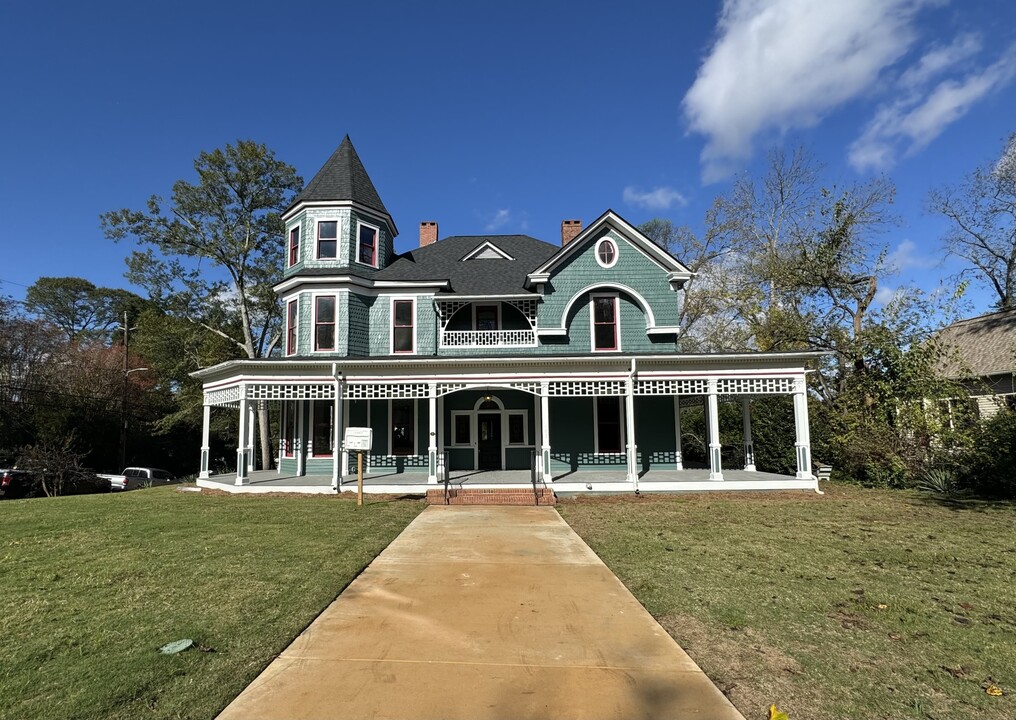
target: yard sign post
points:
(359, 439)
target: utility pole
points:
(127, 370)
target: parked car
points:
(16, 483)
(138, 477)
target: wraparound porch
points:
(687, 480)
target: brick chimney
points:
(569, 230)
(428, 233)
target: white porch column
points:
(251, 407)
(803, 441)
(545, 431)
(242, 478)
(440, 439)
(713, 424)
(300, 441)
(432, 435)
(538, 434)
(205, 449)
(345, 453)
(749, 447)
(338, 429)
(629, 427)
(679, 465)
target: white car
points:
(138, 477)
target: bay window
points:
(327, 239)
(324, 323)
(291, 310)
(367, 244)
(294, 245)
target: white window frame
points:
(416, 427)
(477, 306)
(314, 323)
(298, 227)
(293, 328)
(472, 428)
(391, 324)
(317, 238)
(596, 251)
(592, 321)
(377, 244)
(596, 426)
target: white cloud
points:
(660, 198)
(911, 122)
(885, 296)
(501, 218)
(940, 59)
(908, 256)
(784, 64)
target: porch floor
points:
(573, 481)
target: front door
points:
(488, 442)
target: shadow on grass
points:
(965, 503)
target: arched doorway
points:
(488, 434)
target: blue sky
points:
(505, 118)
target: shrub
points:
(989, 467)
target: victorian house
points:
(486, 361)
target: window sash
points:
(324, 323)
(367, 241)
(607, 252)
(294, 245)
(605, 323)
(462, 430)
(402, 326)
(327, 239)
(289, 435)
(516, 429)
(291, 328)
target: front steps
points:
(491, 496)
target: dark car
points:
(16, 483)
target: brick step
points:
(491, 496)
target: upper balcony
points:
(481, 323)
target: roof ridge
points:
(978, 318)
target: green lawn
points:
(92, 585)
(856, 604)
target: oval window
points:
(606, 253)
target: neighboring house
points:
(496, 354)
(980, 354)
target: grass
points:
(93, 585)
(856, 604)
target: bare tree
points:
(982, 215)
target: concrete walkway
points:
(473, 613)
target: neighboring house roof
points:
(486, 274)
(980, 346)
(343, 177)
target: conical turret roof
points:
(343, 177)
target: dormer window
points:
(367, 244)
(606, 253)
(327, 239)
(294, 245)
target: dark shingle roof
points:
(443, 261)
(343, 177)
(980, 346)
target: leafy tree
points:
(982, 215)
(212, 255)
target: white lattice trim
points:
(303, 391)
(385, 391)
(577, 388)
(448, 388)
(223, 396)
(690, 386)
(755, 386)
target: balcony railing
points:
(488, 338)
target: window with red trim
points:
(368, 245)
(294, 245)
(324, 323)
(327, 239)
(402, 326)
(604, 322)
(291, 328)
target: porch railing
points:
(488, 338)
